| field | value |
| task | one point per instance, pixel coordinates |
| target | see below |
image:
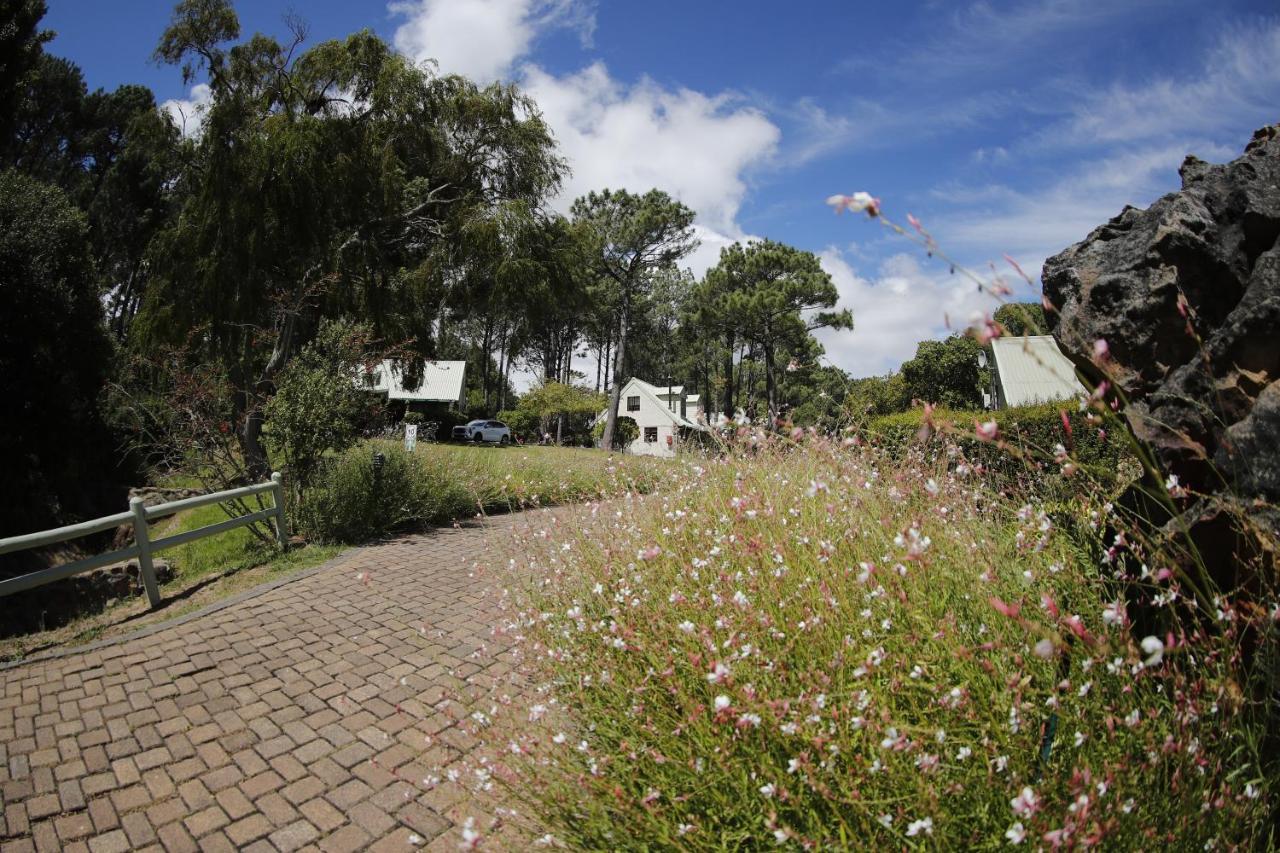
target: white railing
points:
(144, 546)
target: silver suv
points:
(481, 431)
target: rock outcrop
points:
(1187, 295)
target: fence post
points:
(282, 526)
(140, 534)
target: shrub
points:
(439, 484)
(1025, 454)
(351, 502)
(317, 408)
(625, 431)
(822, 648)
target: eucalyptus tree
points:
(630, 237)
(336, 181)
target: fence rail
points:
(144, 546)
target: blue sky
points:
(1006, 127)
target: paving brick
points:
(295, 835)
(289, 719)
(204, 822)
(112, 842)
(248, 829)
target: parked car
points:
(480, 431)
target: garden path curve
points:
(291, 718)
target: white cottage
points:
(664, 414)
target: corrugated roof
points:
(1034, 370)
(442, 381)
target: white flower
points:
(886, 820)
(1113, 614)
(1016, 833)
(1079, 738)
(722, 702)
(963, 752)
(1153, 648)
(718, 674)
(924, 825)
(1025, 804)
(1044, 649)
(687, 626)
(768, 790)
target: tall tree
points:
(945, 373)
(21, 45)
(333, 182)
(771, 295)
(54, 360)
(630, 237)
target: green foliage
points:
(553, 400)
(1022, 318)
(1027, 440)
(317, 408)
(442, 483)
(946, 373)
(769, 296)
(874, 658)
(874, 396)
(342, 180)
(625, 431)
(524, 423)
(351, 502)
(629, 238)
(54, 361)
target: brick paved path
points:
(284, 721)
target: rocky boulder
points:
(1187, 295)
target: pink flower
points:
(650, 553)
(855, 203)
(1010, 610)
(1101, 351)
(986, 431)
(719, 673)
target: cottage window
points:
(651, 435)
(633, 405)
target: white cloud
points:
(188, 113)
(482, 39)
(694, 146)
(1033, 224)
(1237, 85)
(904, 304)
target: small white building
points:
(442, 382)
(1031, 370)
(664, 415)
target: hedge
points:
(1025, 449)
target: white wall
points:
(651, 414)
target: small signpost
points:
(410, 437)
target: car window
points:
(499, 425)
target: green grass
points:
(832, 648)
(441, 483)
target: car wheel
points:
(478, 437)
(505, 440)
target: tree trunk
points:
(611, 419)
(770, 388)
(484, 354)
(255, 453)
(728, 375)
